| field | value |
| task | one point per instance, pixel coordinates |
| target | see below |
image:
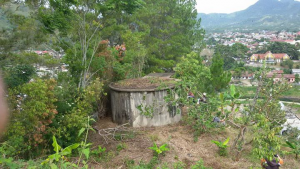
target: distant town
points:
(253, 41)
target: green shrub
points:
(159, 150)
(59, 160)
(32, 112)
(72, 121)
(19, 75)
(99, 152)
(222, 147)
(295, 147)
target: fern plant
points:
(222, 146)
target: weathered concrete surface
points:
(125, 103)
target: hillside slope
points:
(11, 9)
(265, 14)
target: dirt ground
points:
(183, 148)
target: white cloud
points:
(223, 6)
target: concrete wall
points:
(124, 108)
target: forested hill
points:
(10, 9)
(265, 14)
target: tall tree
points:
(173, 29)
(78, 25)
(220, 77)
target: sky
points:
(223, 6)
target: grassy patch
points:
(249, 92)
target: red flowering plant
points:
(110, 65)
(121, 51)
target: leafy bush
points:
(222, 146)
(159, 150)
(200, 117)
(262, 118)
(59, 160)
(100, 151)
(287, 64)
(59, 154)
(32, 112)
(295, 147)
(74, 120)
(19, 75)
(198, 79)
(66, 93)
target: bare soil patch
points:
(182, 148)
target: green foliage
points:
(191, 71)
(179, 165)
(32, 114)
(222, 147)
(287, 64)
(173, 30)
(72, 121)
(147, 111)
(228, 53)
(16, 164)
(19, 75)
(121, 147)
(280, 47)
(157, 151)
(262, 118)
(59, 160)
(25, 30)
(199, 165)
(295, 147)
(287, 71)
(198, 79)
(151, 165)
(86, 54)
(267, 143)
(129, 163)
(66, 92)
(59, 154)
(200, 117)
(234, 94)
(220, 78)
(8, 163)
(99, 151)
(297, 78)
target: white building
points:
(296, 71)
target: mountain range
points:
(265, 14)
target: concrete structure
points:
(296, 71)
(143, 107)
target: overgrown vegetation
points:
(58, 61)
